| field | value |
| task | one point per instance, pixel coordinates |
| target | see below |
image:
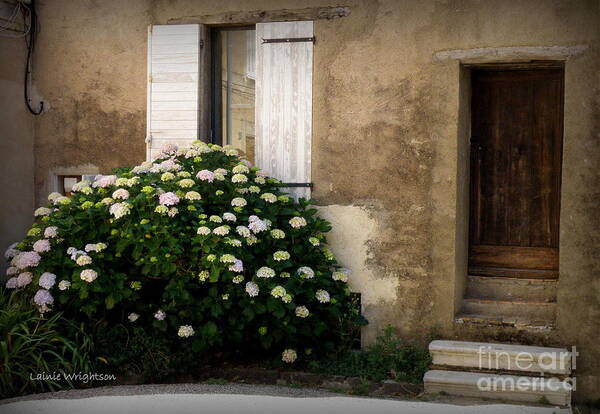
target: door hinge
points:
(290, 40)
(307, 185)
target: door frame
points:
(465, 108)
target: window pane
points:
(237, 89)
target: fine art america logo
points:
(80, 377)
(559, 363)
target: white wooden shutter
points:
(284, 103)
(175, 85)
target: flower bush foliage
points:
(198, 246)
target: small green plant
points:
(39, 353)
(216, 381)
(544, 400)
(388, 358)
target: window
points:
(249, 87)
(233, 88)
(65, 183)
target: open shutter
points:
(284, 61)
(177, 67)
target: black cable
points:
(30, 42)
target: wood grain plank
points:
(284, 103)
(543, 258)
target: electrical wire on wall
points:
(29, 30)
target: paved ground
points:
(236, 398)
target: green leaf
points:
(110, 302)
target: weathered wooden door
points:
(516, 155)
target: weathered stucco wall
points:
(16, 146)
(388, 142)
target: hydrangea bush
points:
(197, 245)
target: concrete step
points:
(512, 289)
(517, 322)
(500, 387)
(542, 311)
(501, 357)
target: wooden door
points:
(516, 155)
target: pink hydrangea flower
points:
(237, 266)
(206, 175)
(26, 259)
(41, 246)
(11, 283)
(120, 194)
(169, 165)
(47, 280)
(43, 297)
(168, 199)
(104, 180)
(51, 232)
(24, 279)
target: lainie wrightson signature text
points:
(84, 377)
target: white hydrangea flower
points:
(297, 222)
(239, 178)
(277, 234)
(238, 279)
(260, 180)
(240, 169)
(314, 241)
(42, 211)
(278, 292)
(289, 356)
(229, 217)
(254, 189)
(265, 272)
(221, 231)
(285, 275)
(287, 298)
(64, 285)
(225, 296)
(186, 183)
(88, 275)
(243, 231)
(322, 296)
(215, 219)
(281, 255)
(302, 312)
(192, 195)
(257, 225)
(242, 190)
(83, 260)
(203, 230)
(269, 197)
(168, 176)
(133, 317)
(203, 276)
(228, 258)
(239, 202)
(119, 210)
(80, 185)
(221, 171)
(234, 242)
(341, 275)
(252, 289)
(160, 315)
(53, 196)
(306, 272)
(185, 331)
